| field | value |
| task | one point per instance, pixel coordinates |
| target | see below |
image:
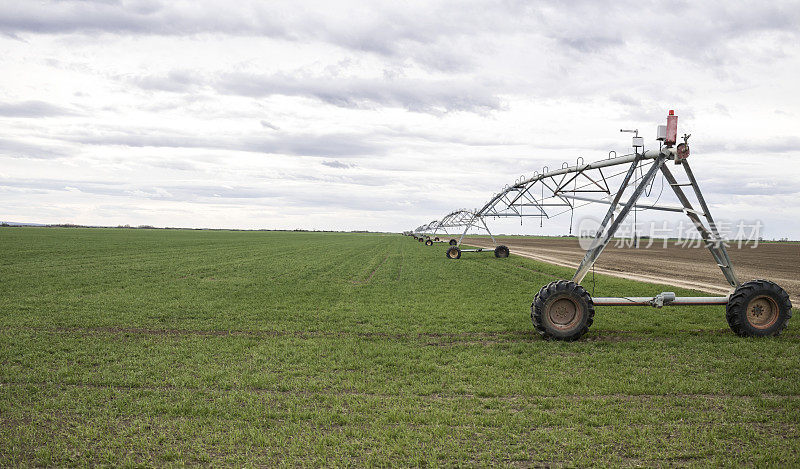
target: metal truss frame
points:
(549, 190)
(466, 219)
(554, 192)
(563, 309)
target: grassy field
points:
(153, 347)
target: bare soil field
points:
(674, 265)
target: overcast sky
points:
(376, 115)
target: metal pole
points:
(653, 301)
(700, 198)
(613, 205)
(713, 243)
(706, 210)
(594, 251)
(490, 233)
(469, 225)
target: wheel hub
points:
(562, 312)
(762, 312)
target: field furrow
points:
(154, 347)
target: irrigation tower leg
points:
(597, 246)
(617, 196)
(707, 212)
(713, 241)
(469, 225)
(487, 230)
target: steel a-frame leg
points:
(488, 231)
(710, 235)
(603, 236)
(712, 239)
(469, 225)
(436, 231)
(473, 223)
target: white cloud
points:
(379, 115)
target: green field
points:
(156, 347)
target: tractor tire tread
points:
(560, 286)
(735, 310)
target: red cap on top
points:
(671, 112)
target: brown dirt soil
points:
(686, 267)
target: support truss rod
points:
(572, 169)
(713, 241)
(664, 208)
(664, 299)
(601, 240)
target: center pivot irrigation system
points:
(563, 309)
(462, 218)
(466, 219)
(420, 232)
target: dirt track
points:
(675, 265)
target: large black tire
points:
(758, 308)
(453, 252)
(453, 242)
(562, 310)
(428, 242)
(501, 251)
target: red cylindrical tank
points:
(672, 128)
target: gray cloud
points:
(590, 44)
(142, 17)
(703, 32)
(371, 143)
(625, 100)
(344, 180)
(22, 149)
(407, 133)
(114, 188)
(778, 144)
(268, 125)
(338, 164)
(436, 37)
(178, 165)
(385, 30)
(33, 109)
(433, 96)
(429, 34)
(326, 145)
(744, 183)
(175, 81)
(391, 90)
(317, 197)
